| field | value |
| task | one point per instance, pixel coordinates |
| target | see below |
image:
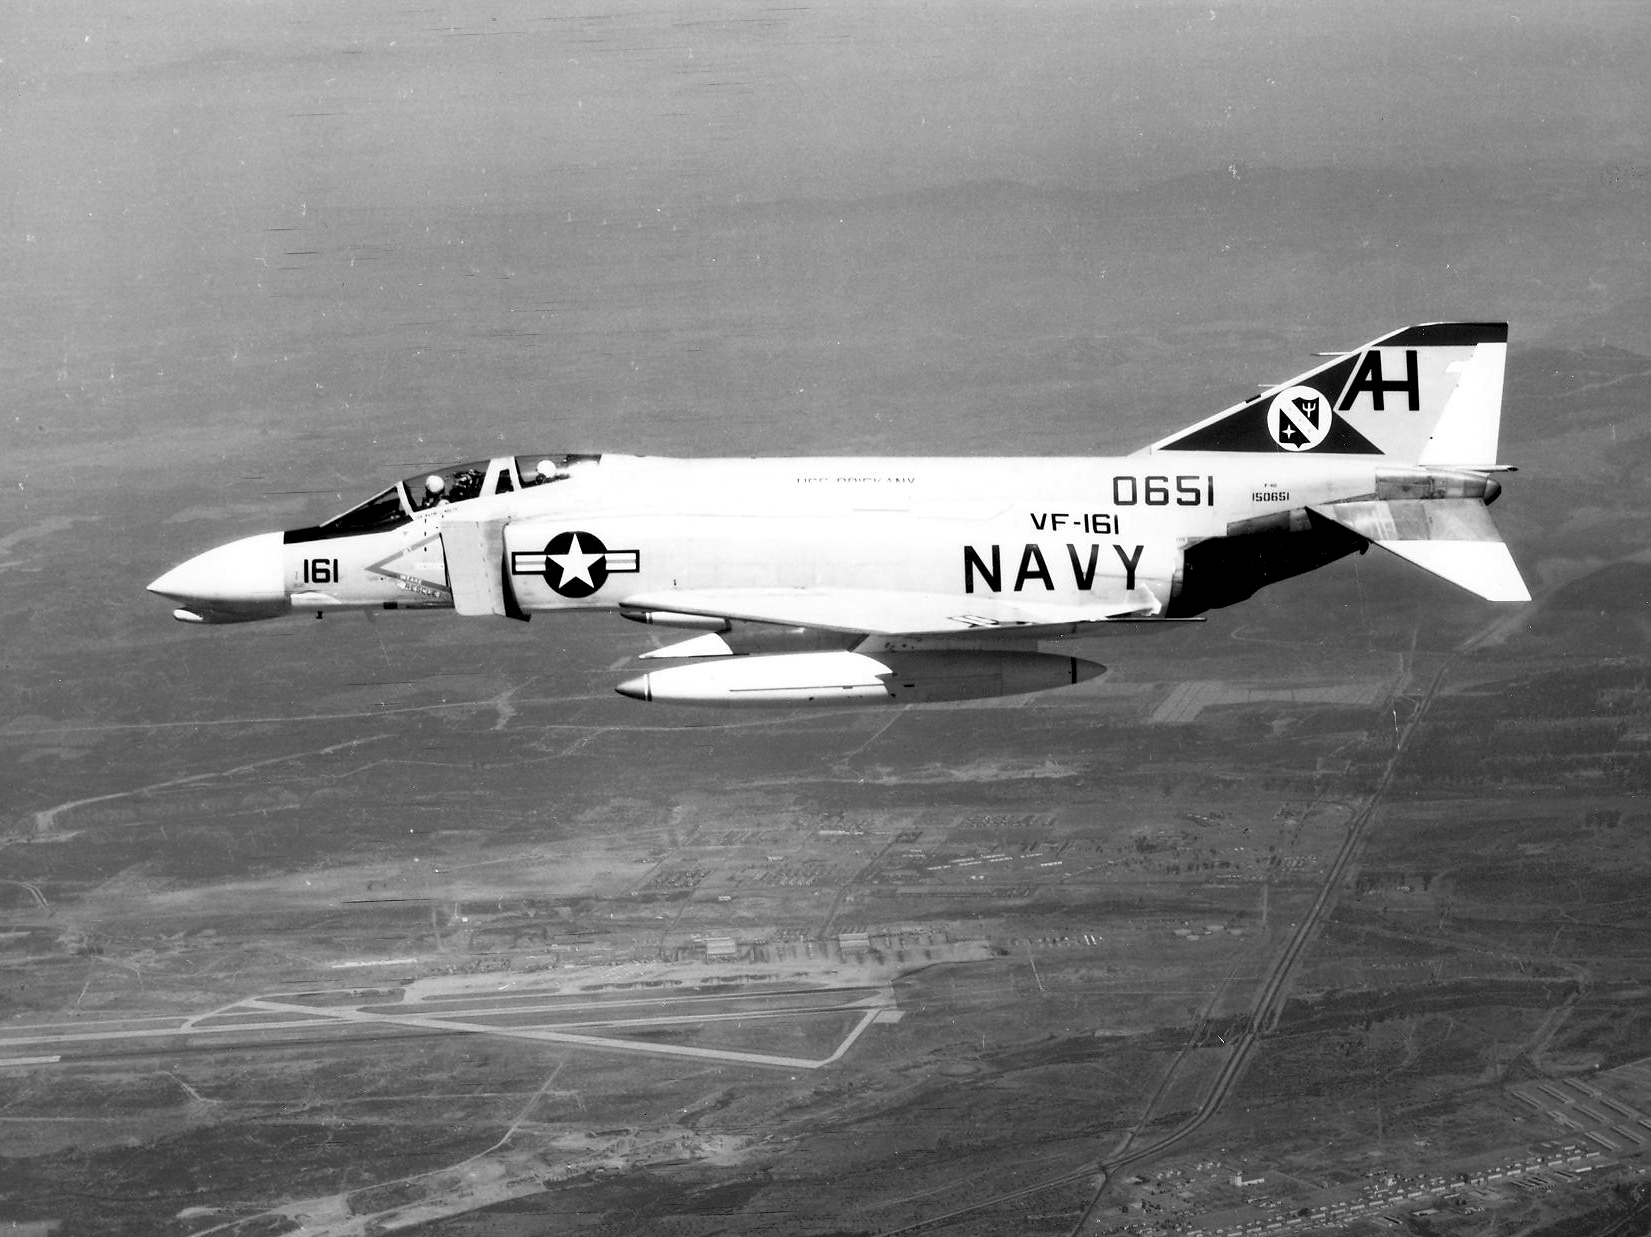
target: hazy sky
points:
(208, 112)
(173, 176)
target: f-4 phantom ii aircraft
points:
(854, 581)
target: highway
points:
(1275, 985)
(1264, 1011)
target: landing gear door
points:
(474, 550)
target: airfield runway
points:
(551, 1017)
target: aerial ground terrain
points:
(1327, 915)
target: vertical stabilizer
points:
(1424, 405)
(1429, 395)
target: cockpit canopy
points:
(452, 483)
(456, 483)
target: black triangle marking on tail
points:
(1296, 424)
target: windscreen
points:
(379, 512)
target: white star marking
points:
(576, 563)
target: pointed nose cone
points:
(237, 582)
(637, 688)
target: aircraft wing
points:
(889, 612)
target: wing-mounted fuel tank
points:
(847, 676)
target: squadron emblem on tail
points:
(1298, 419)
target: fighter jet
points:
(883, 580)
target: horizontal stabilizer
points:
(1453, 538)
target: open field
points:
(915, 960)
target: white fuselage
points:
(1035, 529)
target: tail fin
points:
(1428, 395)
(1427, 402)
